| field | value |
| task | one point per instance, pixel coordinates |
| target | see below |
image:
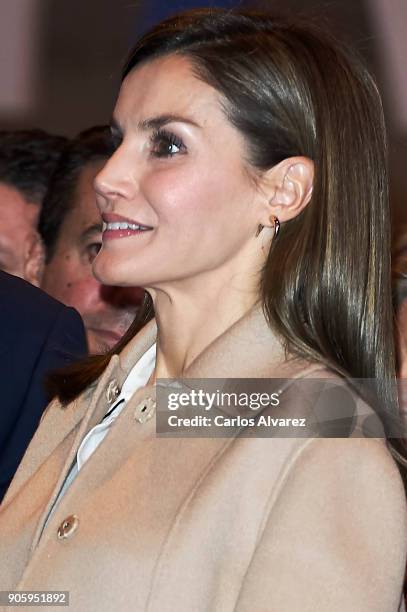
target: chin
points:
(105, 272)
(109, 272)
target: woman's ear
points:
(288, 187)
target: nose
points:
(116, 179)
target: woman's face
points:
(179, 172)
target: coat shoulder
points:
(343, 506)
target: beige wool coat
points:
(200, 524)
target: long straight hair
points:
(292, 90)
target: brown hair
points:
(292, 90)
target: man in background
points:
(37, 335)
(71, 228)
(27, 162)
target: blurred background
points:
(60, 61)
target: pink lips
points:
(117, 232)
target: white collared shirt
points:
(137, 377)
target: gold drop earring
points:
(275, 223)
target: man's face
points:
(106, 311)
(18, 237)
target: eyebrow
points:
(90, 231)
(155, 123)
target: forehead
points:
(166, 85)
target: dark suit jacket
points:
(37, 334)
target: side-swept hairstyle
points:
(292, 90)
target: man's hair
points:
(27, 161)
(89, 146)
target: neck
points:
(190, 318)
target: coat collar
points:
(247, 349)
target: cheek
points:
(71, 283)
(80, 294)
(200, 211)
(194, 197)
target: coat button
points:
(112, 391)
(68, 527)
(145, 410)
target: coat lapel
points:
(114, 375)
(248, 349)
(82, 414)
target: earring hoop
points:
(275, 223)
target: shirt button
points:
(68, 527)
(112, 391)
(145, 410)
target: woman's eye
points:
(92, 250)
(166, 144)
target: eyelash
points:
(169, 139)
(158, 137)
